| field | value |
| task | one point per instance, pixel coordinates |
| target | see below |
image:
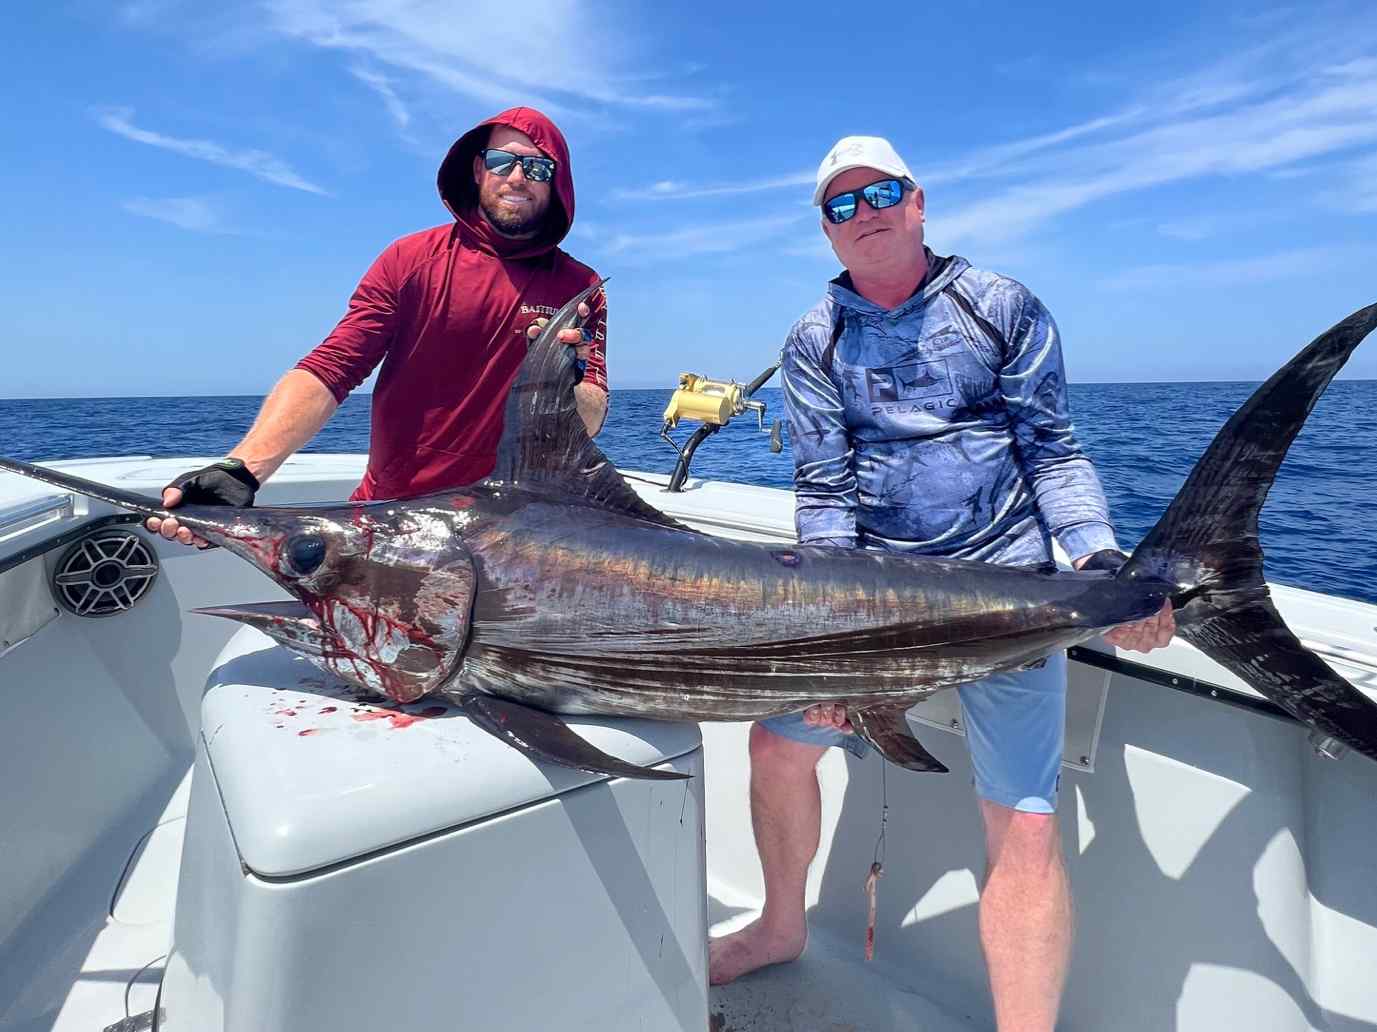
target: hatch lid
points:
(311, 776)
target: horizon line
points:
(369, 394)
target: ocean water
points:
(1319, 527)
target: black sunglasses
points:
(882, 194)
(501, 163)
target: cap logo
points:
(855, 147)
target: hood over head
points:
(460, 192)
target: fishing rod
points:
(714, 403)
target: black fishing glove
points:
(227, 482)
(1106, 560)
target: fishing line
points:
(876, 865)
(879, 858)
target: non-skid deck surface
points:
(97, 957)
(829, 989)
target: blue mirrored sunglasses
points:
(501, 162)
(879, 195)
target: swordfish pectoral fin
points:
(543, 736)
(886, 728)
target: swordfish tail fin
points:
(1206, 546)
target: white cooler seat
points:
(353, 867)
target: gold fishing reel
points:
(710, 401)
(714, 403)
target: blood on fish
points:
(267, 552)
(328, 709)
(308, 731)
(369, 621)
(368, 528)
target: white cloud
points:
(382, 86)
(583, 229)
(979, 162)
(1197, 227)
(1261, 137)
(486, 49)
(1356, 191)
(1294, 101)
(137, 11)
(675, 191)
(193, 213)
(719, 238)
(256, 163)
(816, 248)
(1293, 172)
(1129, 151)
(1190, 229)
(1358, 68)
(994, 160)
(1232, 273)
(1364, 200)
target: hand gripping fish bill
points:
(550, 588)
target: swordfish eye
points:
(303, 554)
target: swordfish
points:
(551, 588)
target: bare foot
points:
(752, 948)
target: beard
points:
(522, 223)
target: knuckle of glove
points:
(218, 484)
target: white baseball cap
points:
(859, 152)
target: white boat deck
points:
(95, 955)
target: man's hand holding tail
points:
(1154, 632)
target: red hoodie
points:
(446, 312)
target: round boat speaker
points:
(104, 574)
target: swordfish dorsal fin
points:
(544, 444)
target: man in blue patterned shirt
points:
(928, 413)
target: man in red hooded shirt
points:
(447, 312)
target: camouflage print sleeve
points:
(824, 478)
(1033, 381)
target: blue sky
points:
(188, 197)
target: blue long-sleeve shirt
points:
(921, 430)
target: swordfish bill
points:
(551, 588)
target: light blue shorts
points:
(1015, 728)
